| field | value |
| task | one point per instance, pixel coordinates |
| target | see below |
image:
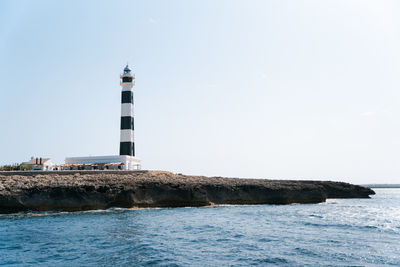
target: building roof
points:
(33, 161)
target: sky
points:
(257, 89)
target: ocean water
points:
(340, 232)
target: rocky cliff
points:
(73, 191)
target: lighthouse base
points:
(106, 162)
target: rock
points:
(85, 190)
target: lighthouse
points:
(126, 160)
(127, 139)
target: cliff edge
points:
(85, 190)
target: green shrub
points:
(15, 167)
(24, 167)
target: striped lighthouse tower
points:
(126, 159)
(127, 141)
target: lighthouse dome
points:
(127, 69)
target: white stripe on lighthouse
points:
(127, 136)
(127, 87)
(127, 110)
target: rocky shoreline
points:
(87, 190)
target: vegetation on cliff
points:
(16, 167)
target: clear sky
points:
(263, 89)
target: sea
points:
(340, 232)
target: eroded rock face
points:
(74, 191)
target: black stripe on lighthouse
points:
(127, 123)
(127, 148)
(127, 97)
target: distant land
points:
(382, 185)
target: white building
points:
(43, 164)
(126, 159)
(128, 162)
